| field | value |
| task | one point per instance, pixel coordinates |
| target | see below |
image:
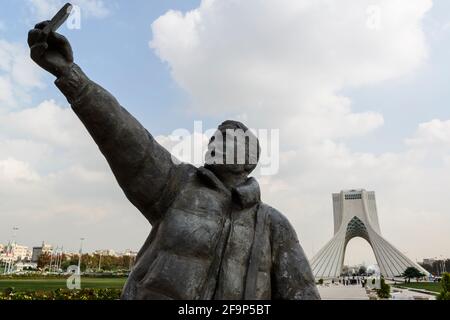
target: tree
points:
(345, 270)
(362, 270)
(445, 284)
(412, 272)
(44, 260)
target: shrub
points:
(321, 281)
(445, 284)
(60, 294)
(385, 290)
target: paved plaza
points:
(356, 292)
(404, 294)
(341, 292)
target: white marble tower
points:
(355, 215)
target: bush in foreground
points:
(385, 290)
(445, 284)
(60, 294)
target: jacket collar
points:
(246, 194)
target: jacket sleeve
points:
(141, 166)
(292, 278)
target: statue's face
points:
(232, 150)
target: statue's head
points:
(232, 149)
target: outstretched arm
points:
(142, 167)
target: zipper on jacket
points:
(216, 265)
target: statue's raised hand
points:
(51, 51)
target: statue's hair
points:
(236, 125)
(232, 124)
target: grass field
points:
(53, 284)
(430, 286)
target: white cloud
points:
(45, 9)
(47, 123)
(410, 191)
(94, 8)
(284, 64)
(6, 92)
(432, 133)
(56, 185)
(18, 74)
(290, 56)
(12, 170)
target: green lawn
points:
(430, 286)
(53, 284)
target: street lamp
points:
(60, 258)
(11, 250)
(79, 256)
(100, 262)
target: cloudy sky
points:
(358, 89)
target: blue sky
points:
(354, 108)
(411, 100)
(114, 51)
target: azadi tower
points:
(355, 215)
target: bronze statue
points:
(211, 236)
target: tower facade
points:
(355, 215)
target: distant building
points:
(20, 252)
(38, 251)
(106, 252)
(356, 215)
(129, 253)
(4, 257)
(429, 261)
(14, 252)
(22, 266)
(69, 255)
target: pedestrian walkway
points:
(405, 294)
(341, 292)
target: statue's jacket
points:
(206, 242)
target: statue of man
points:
(211, 236)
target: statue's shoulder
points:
(281, 230)
(277, 220)
(184, 171)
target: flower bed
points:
(62, 294)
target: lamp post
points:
(11, 250)
(8, 250)
(60, 258)
(79, 256)
(100, 262)
(51, 262)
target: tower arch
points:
(355, 215)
